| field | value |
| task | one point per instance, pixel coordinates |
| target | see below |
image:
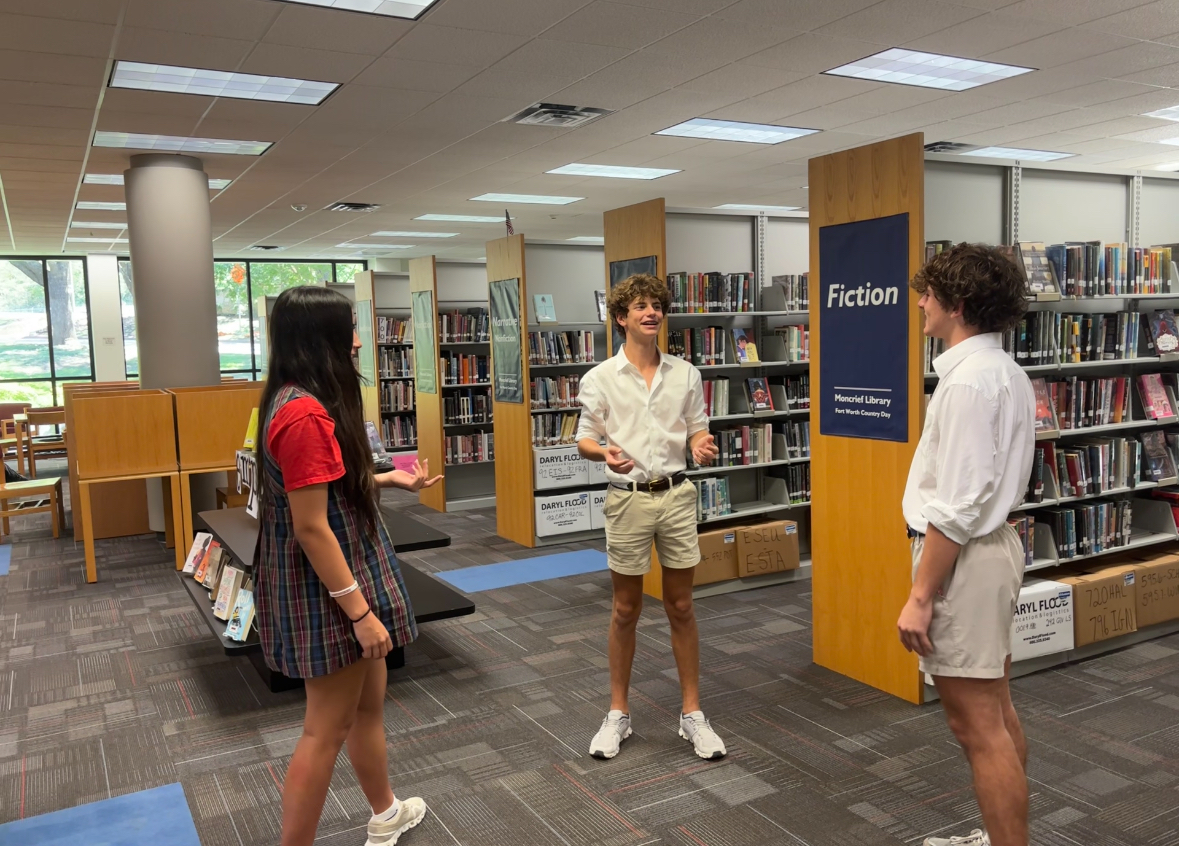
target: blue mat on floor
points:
(5, 558)
(146, 818)
(542, 568)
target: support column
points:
(172, 261)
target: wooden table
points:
(430, 598)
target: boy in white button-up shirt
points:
(649, 409)
(971, 468)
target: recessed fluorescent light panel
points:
(375, 246)
(1170, 167)
(117, 179)
(1174, 142)
(927, 70)
(460, 218)
(414, 235)
(90, 205)
(1018, 153)
(180, 144)
(238, 86)
(612, 171)
(751, 207)
(98, 240)
(708, 129)
(538, 199)
(588, 239)
(1169, 113)
(408, 9)
(97, 225)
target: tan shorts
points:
(634, 519)
(972, 613)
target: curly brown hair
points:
(988, 285)
(630, 289)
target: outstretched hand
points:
(705, 450)
(410, 481)
(616, 462)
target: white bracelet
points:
(336, 594)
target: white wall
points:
(1160, 212)
(788, 246)
(964, 202)
(106, 318)
(700, 243)
(462, 283)
(571, 274)
(1058, 206)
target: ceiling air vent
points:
(353, 207)
(949, 147)
(554, 114)
(265, 247)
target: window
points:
(238, 284)
(44, 328)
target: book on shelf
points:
(701, 293)
(932, 248)
(1090, 528)
(738, 446)
(394, 330)
(797, 437)
(196, 553)
(397, 396)
(1032, 258)
(716, 396)
(1024, 526)
(555, 391)
(1046, 421)
(1083, 402)
(400, 431)
(227, 588)
(796, 342)
(469, 405)
(1035, 489)
(1094, 269)
(1164, 333)
(600, 305)
(1157, 462)
(1156, 400)
(471, 448)
(758, 394)
(554, 429)
(712, 498)
(546, 312)
(241, 617)
(213, 550)
(463, 368)
(700, 345)
(394, 362)
(569, 347)
(473, 325)
(797, 391)
(787, 293)
(251, 431)
(797, 478)
(744, 346)
(1087, 468)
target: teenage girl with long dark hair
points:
(330, 600)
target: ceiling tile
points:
(48, 116)
(565, 58)
(429, 43)
(20, 66)
(801, 96)
(246, 19)
(898, 21)
(43, 135)
(42, 151)
(619, 25)
(47, 35)
(390, 72)
(1058, 49)
(1074, 11)
(1094, 93)
(521, 17)
(1127, 61)
(739, 81)
(811, 53)
(688, 7)
(987, 34)
(1145, 22)
(32, 94)
(724, 39)
(332, 29)
(150, 123)
(94, 11)
(1165, 75)
(533, 87)
(155, 46)
(1131, 129)
(799, 14)
(304, 63)
(632, 80)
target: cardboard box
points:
(1104, 603)
(595, 472)
(1158, 591)
(562, 514)
(718, 557)
(767, 548)
(559, 467)
(597, 503)
(1043, 621)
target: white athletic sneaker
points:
(615, 729)
(411, 812)
(695, 728)
(978, 837)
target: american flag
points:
(508, 221)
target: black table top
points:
(430, 598)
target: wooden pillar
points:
(861, 570)
(423, 279)
(635, 232)
(515, 512)
(370, 384)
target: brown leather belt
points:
(664, 483)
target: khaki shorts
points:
(973, 610)
(634, 519)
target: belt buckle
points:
(663, 483)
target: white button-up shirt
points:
(652, 426)
(974, 459)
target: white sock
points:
(389, 814)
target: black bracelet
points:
(362, 616)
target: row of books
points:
(394, 330)
(1091, 269)
(798, 438)
(231, 590)
(472, 405)
(1091, 528)
(743, 445)
(554, 429)
(469, 449)
(701, 293)
(797, 341)
(572, 347)
(555, 391)
(795, 294)
(397, 396)
(701, 345)
(400, 431)
(473, 325)
(1081, 402)
(1086, 468)
(1025, 526)
(463, 368)
(394, 361)
(798, 482)
(712, 497)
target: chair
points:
(36, 444)
(9, 442)
(36, 496)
